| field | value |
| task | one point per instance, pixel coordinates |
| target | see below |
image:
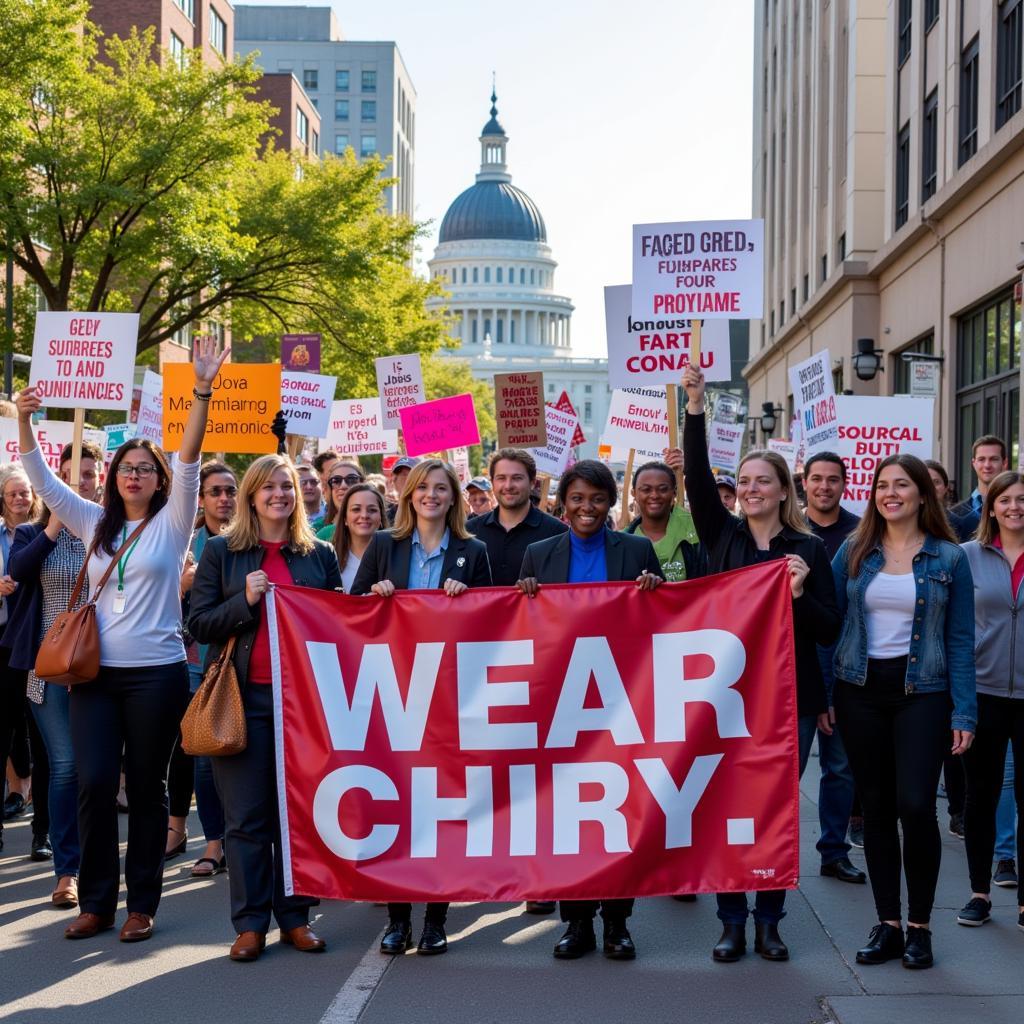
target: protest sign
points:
(440, 424)
(519, 410)
(300, 353)
(924, 378)
(726, 408)
(645, 742)
(564, 403)
(707, 269)
(658, 351)
(306, 403)
(871, 428)
(51, 436)
(560, 427)
(150, 421)
(400, 383)
(246, 398)
(724, 443)
(638, 418)
(116, 435)
(616, 454)
(814, 397)
(357, 428)
(787, 449)
(84, 360)
(460, 463)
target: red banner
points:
(592, 742)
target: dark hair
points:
(988, 528)
(825, 457)
(108, 530)
(988, 439)
(520, 455)
(214, 468)
(321, 460)
(330, 509)
(939, 468)
(595, 473)
(931, 518)
(342, 539)
(659, 467)
(90, 450)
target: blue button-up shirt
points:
(424, 568)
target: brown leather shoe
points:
(248, 946)
(137, 928)
(86, 925)
(303, 939)
(65, 895)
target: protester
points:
(965, 525)
(996, 560)
(361, 515)
(514, 525)
(727, 491)
(268, 542)
(399, 474)
(480, 496)
(824, 483)
(429, 548)
(769, 526)
(137, 700)
(905, 651)
(312, 501)
(218, 490)
(666, 524)
(322, 463)
(988, 460)
(589, 553)
(379, 481)
(342, 474)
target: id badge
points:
(120, 602)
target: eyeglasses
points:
(215, 492)
(142, 469)
(351, 479)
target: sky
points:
(617, 114)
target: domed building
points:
(494, 260)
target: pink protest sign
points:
(442, 423)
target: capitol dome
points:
(493, 209)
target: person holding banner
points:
(137, 700)
(769, 526)
(341, 475)
(906, 652)
(590, 553)
(269, 541)
(361, 515)
(428, 548)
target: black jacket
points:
(816, 618)
(29, 550)
(218, 609)
(388, 559)
(626, 558)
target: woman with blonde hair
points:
(428, 548)
(269, 541)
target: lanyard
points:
(122, 562)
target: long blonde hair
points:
(789, 510)
(10, 473)
(405, 517)
(243, 532)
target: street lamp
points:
(867, 360)
(769, 415)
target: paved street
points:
(499, 967)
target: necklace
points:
(898, 557)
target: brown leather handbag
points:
(214, 724)
(70, 651)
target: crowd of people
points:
(909, 662)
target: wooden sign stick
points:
(626, 485)
(76, 449)
(695, 328)
(544, 480)
(295, 443)
(672, 392)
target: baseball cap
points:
(405, 462)
(726, 481)
(481, 483)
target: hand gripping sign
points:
(592, 742)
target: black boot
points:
(618, 943)
(768, 942)
(397, 939)
(732, 945)
(579, 938)
(918, 952)
(884, 943)
(433, 940)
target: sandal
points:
(179, 848)
(216, 867)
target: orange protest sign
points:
(246, 397)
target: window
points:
(501, 331)
(771, 322)
(931, 13)
(522, 275)
(903, 176)
(178, 51)
(792, 299)
(968, 102)
(533, 276)
(588, 412)
(824, 266)
(367, 145)
(476, 324)
(301, 125)
(487, 275)
(340, 144)
(512, 332)
(1008, 61)
(463, 275)
(588, 389)
(341, 110)
(218, 33)
(316, 144)
(807, 286)
(903, 29)
(188, 6)
(930, 145)
(310, 78)
(369, 81)
(901, 368)
(487, 327)
(497, 273)
(476, 275)
(782, 312)
(341, 80)
(368, 110)
(841, 248)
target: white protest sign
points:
(306, 402)
(615, 454)
(84, 360)
(870, 429)
(924, 379)
(815, 399)
(787, 449)
(711, 270)
(560, 427)
(638, 418)
(150, 424)
(460, 463)
(726, 408)
(725, 441)
(357, 428)
(400, 383)
(658, 351)
(51, 436)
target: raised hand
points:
(206, 362)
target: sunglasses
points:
(215, 492)
(337, 481)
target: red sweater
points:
(277, 571)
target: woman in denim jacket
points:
(906, 651)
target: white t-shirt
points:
(889, 607)
(148, 631)
(348, 574)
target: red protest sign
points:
(566, 405)
(592, 742)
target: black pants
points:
(137, 710)
(1000, 721)
(896, 742)
(247, 785)
(953, 776)
(584, 910)
(180, 781)
(12, 712)
(437, 913)
(40, 776)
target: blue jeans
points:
(208, 805)
(769, 904)
(835, 798)
(55, 727)
(1006, 814)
